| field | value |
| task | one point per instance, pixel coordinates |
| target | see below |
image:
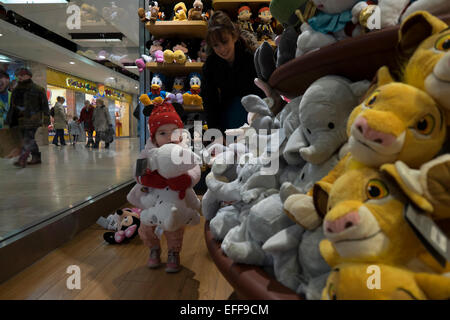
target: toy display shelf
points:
(355, 58)
(182, 29)
(233, 5)
(249, 282)
(174, 69)
(193, 108)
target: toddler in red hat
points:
(163, 124)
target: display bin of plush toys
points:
(354, 58)
(363, 179)
(249, 283)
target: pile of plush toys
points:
(360, 205)
(185, 91)
(312, 24)
(179, 12)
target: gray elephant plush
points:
(243, 243)
(248, 188)
(323, 113)
(297, 261)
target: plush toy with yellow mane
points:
(424, 43)
(365, 228)
(396, 122)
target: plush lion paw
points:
(300, 208)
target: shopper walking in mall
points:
(229, 72)
(163, 123)
(86, 119)
(59, 121)
(102, 123)
(28, 111)
(5, 97)
(75, 130)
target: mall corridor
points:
(67, 176)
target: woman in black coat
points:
(228, 72)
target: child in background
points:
(163, 121)
(74, 129)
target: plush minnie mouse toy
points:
(128, 227)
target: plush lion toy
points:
(365, 229)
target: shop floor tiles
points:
(67, 176)
(120, 272)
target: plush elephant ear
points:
(321, 193)
(408, 181)
(360, 88)
(416, 28)
(253, 103)
(291, 151)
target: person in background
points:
(5, 97)
(28, 111)
(102, 122)
(75, 130)
(229, 72)
(86, 118)
(59, 121)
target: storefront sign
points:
(89, 87)
(67, 81)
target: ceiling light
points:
(97, 37)
(1, 34)
(97, 40)
(102, 57)
(71, 62)
(33, 1)
(131, 67)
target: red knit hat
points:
(163, 114)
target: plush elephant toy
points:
(248, 188)
(224, 169)
(323, 114)
(297, 262)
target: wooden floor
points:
(120, 272)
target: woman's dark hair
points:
(220, 25)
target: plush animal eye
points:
(332, 292)
(443, 43)
(371, 100)
(425, 125)
(377, 189)
(331, 125)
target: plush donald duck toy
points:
(192, 97)
(156, 95)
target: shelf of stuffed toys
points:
(182, 29)
(249, 282)
(354, 58)
(174, 69)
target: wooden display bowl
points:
(356, 58)
(249, 282)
